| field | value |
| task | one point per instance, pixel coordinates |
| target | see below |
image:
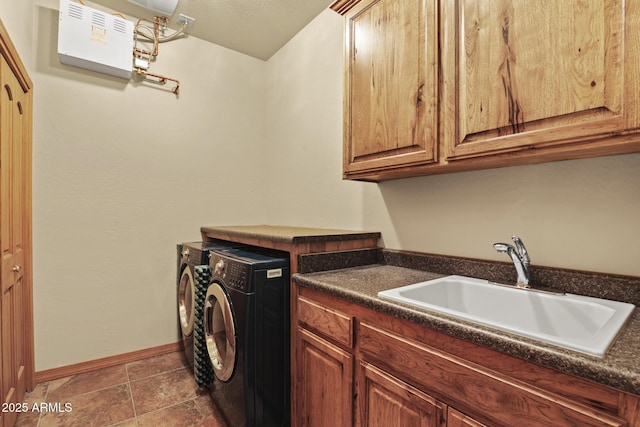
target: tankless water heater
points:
(95, 40)
(165, 7)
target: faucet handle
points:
(522, 250)
(502, 247)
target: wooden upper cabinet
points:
(519, 74)
(437, 87)
(390, 85)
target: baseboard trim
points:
(105, 362)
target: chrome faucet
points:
(520, 258)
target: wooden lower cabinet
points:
(327, 395)
(390, 372)
(324, 383)
(458, 419)
(384, 401)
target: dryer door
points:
(220, 331)
(186, 302)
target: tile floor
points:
(159, 391)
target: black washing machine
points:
(194, 276)
(246, 328)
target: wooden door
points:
(324, 383)
(522, 75)
(391, 85)
(386, 401)
(13, 212)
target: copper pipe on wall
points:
(141, 51)
(157, 22)
(156, 32)
(138, 53)
(161, 79)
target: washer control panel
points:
(237, 275)
(234, 274)
(243, 270)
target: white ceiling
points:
(255, 27)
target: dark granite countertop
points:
(620, 368)
(284, 234)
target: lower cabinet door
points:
(384, 401)
(324, 383)
(458, 419)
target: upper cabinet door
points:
(453, 85)
(519, 74)
(391, 82)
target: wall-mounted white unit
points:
(165, 7)
(95, 40)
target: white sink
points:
(580, 323)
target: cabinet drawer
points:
(492, 397)
(332, 324)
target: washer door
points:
(220, 332)
(186, 302)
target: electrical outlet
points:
(184, 19)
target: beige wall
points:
(16, 17)
(304, 131)
(579, 214)
(123, 172)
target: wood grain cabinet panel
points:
(384, 401)
(437, 87)
(331, 323)
(498, 398)
(399, 373)
(391, 84)
(458, 419)
(323, 383)
(519, 75)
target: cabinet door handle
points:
(17, 268)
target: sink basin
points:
(585, 324)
